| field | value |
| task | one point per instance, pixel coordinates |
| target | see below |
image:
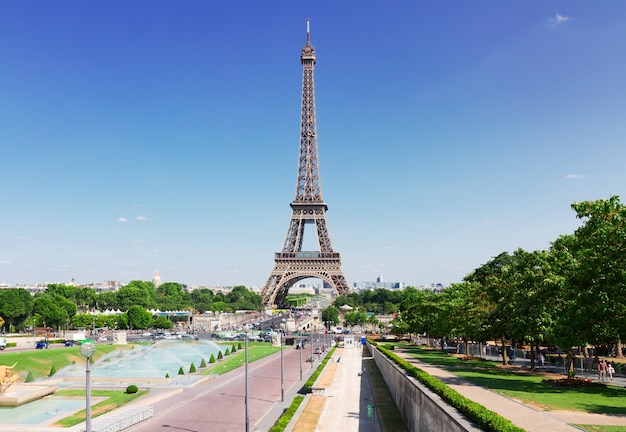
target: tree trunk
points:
(504, 360)
(533, 355)
(570, 361)
(618, 350)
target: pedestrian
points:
(610, 370)
(601, 370)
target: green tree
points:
(330, 316)
(107, 300)
(138, 318)
(139, 293)
(202, 299)
(161, 322)
(500, 296)
(170, 296)
(600, 273)
(16, 305)
(534, 295)
(50, 313)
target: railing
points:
(307, 255)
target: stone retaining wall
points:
(420, 408)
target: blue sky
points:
(147, 135)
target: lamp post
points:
(311, 340)
(282, 365)
(87, 350)
(301, 349)
(246, 329)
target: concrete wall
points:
(421, 409)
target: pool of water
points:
(41, 411)
(120, 367)
(159, 360)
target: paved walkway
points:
(530, 418)
(342, 399)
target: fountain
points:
(142, 365)
(14, 394)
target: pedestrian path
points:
(532, 419)
(342, 398)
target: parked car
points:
(69, 343)
(3, 343)
(42, 345)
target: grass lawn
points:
(527, 387)
(39, 362)
(114, 399)
(256, 351)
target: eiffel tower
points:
(293, 264)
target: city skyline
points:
(159, 136)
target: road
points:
(218, 405)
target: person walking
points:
(602, 370)
(610, 370)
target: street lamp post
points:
(87, 350)
(301, 349)
(282, 365)
(246, 329)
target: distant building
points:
(365, 286)
(156, 280)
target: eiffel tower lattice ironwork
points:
(293, 264)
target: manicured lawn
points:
(114, 399)
(528, 387)
(256, 351)
(39, 362)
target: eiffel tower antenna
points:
(308, 207)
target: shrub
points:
(239, 346)
(212, 359)
(203, 363)
(219, 355)
(192, 368)
(53, 370)
(132, 389)
(30, 377)
(181, 371)
(167, 375)
(233, 349)
(227, 352)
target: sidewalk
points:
(530, 418)
(342, 399)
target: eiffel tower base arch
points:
(290, 268)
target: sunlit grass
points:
(256, 351)
(39, 362)
(114, 399)
(527, 387)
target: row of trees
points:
(571, 295)
(60, 306)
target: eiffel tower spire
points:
(308, 207)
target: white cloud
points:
(559, 19)
(25, 238)
(122, 219)
(5, 262)
(141, 218)
(575, 176)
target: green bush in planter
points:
(132, 389)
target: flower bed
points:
(574, 382)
